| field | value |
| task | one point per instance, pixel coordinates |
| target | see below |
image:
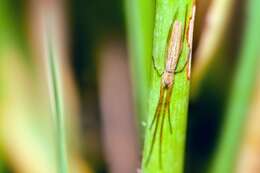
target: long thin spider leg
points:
(161, 133)
(168, 100)
(159, 105)
(154, 137)
(169, 120)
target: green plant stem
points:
(57, 101)
(172, 144)
(241, 93)
(139, 18)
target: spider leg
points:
(161, 133)
(159, 105)
(182, 68)
(153, 138)
(167, 105)
(156, 120)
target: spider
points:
(166, 86)
(167, 80)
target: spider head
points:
(167, 79)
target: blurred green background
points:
(97, 99)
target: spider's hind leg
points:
(156, 121)
(167, 106)
(158, 107)
(161, 130)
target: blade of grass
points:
(139, 21)
(240, 93)
(56, 97)
(10, 35)
(15, 66)
(173, 145)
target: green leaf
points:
(140, 21)
(240, 94)
(56, 97)
(172, 144)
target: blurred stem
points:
(56, 99)
(168, 152)
(216, 22)
(139, 17)
(7, 25)
(240, 93)
(249, 151)
(10, 37)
